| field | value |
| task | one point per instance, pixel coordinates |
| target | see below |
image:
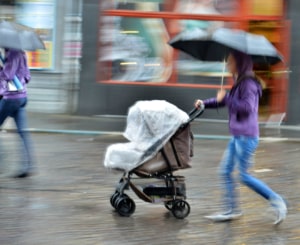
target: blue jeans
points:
(15, 108)
(240, 151)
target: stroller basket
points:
(176, 154)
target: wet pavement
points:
(67, 201)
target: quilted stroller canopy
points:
(150, 124)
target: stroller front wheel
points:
(125, 206)
(180, 209)
(113, 198)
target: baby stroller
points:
(160, 142)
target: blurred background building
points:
(135, 62)
(103, 55)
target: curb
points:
(78, 132)
(101, 133)
(262, 139)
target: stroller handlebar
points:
(196, 112)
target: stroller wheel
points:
(180, 209)
(169, 205)
(125, 206)
(113, 198)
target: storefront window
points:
(137, 50)
(41, 16)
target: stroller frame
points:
(173, 194)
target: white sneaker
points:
(280, 209)
(224, 216)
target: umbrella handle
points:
(222, 81)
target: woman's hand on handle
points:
(198, 104)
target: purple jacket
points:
(15, 64)
(242, 100)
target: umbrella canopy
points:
(216, 46)
(21, 37)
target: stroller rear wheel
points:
(180, 209)
(125, 206)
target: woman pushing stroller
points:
(242, 102)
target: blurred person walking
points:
(242, 102)
(14, 101)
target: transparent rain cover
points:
(150, 124)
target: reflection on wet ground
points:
(67, 202)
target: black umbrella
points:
(215, 46)
(18, 36)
